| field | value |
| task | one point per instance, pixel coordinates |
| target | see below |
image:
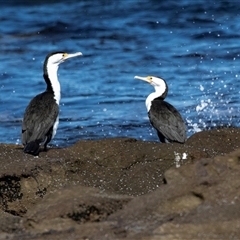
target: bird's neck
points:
(150, 98)
(159, 93)
(53, 85)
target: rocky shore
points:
(121, 188)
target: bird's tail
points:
(32, 148)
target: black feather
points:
(39, 119)
(167, 121)
(32, 148)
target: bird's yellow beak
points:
(70, 55)
(146, 79)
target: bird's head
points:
(56, 58)
(158, 83)
(53, 60)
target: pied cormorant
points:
(163, 116)
(41, 119)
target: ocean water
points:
(193, 45)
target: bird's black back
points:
(167, 121)
(39, 117)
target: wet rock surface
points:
(122, 188)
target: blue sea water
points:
(193, 45)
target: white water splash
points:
(201, 106)
(179, 157)
(201, 88)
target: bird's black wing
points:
(167, 120)
(39, 117)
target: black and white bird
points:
(41, 119)
(163, 116)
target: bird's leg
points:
(45, 147)
(49, 137)
(161, 137)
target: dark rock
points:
(124, 189)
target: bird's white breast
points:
(149, 100)
(55, 126)
(52, 74)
